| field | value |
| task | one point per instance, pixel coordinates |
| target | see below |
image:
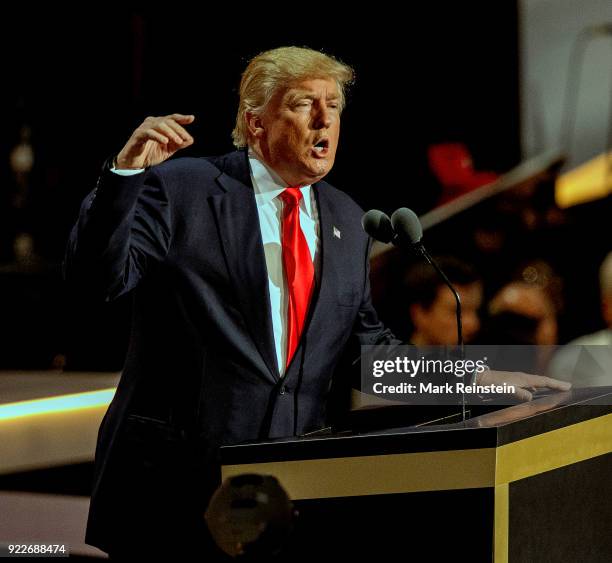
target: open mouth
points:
(321, 146)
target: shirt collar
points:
(268, 184)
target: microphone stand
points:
(408, 235)
(422, 251)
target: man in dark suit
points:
(243, 298)
(249, 278)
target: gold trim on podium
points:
(552, 450)
(449, 470)
(378, 474)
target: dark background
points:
(86, 82)
(85, 79)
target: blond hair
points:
(271, 70)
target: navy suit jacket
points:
(183, 238)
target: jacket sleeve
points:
(368, 329)
(124, 228)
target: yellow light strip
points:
(61, 403)
(501, 523)
(554, 449)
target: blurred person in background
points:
(587, 361)
(522, 314)
(432, 306)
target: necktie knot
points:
(291, 196)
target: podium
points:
(531, 482)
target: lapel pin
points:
(337, 232)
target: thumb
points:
(523, 394)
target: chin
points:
(319, 170)
(316, 177)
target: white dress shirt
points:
(268, 186)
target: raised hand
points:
(154, 141)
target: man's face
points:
(298, 133)
(437, 325)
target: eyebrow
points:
(295, 94)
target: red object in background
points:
(451, 164)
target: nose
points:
(322, 118)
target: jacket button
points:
(282, 390)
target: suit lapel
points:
(238, 222)
(328, 275)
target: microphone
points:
(378, 225)
(407, 227)
(403, 229)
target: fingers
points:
(164, 128)
(151, 134)
(182, 119)
(543, 381)
(186, 138)
(155, 140)
(524, 383)
(529, 380)
(167, 128)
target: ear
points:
(254, 124)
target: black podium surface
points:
(532, 482)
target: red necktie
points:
(298, 266)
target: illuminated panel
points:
(61, 403)
(51, 431)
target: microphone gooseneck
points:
(407, 232)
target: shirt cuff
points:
(127, 172)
